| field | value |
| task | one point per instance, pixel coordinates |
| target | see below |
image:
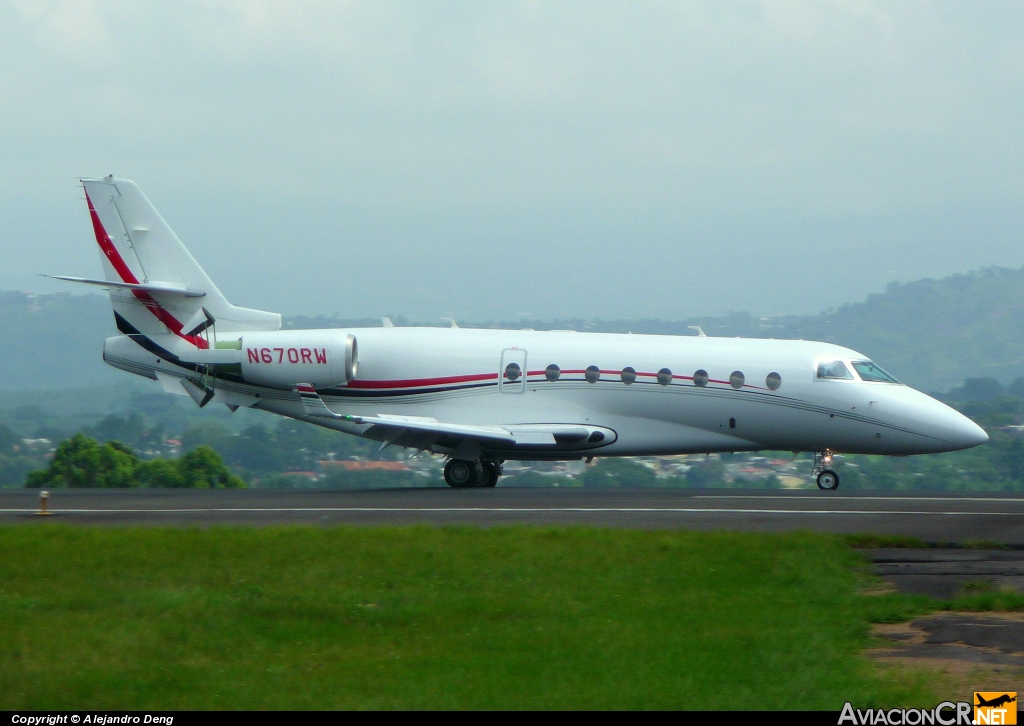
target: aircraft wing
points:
(424, 431)
(400, 424)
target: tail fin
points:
(156, 285)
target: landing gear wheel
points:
(460, 474)
(828, 480)
(489, 475)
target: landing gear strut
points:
(491, 470)
(463, 474)
(827, 479)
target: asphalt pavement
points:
(973, 638)
(943, 572)
(933, 517)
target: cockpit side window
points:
(869, 371)
(834, 369)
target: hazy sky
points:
(498, 160)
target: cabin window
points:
(736, 379)
(664, 376)
(834, 370)
(628, 375)
(732, 423)
(513, 371)
(700, 378)
(870, 372)
(773, 381)
(552, 372)
(593, 374)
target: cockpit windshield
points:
(871, 372)
(834, 369)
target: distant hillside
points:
(931, 333)
(55, 341)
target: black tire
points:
(489, 474)
(460, 474)
(828, 480)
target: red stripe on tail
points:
(125, 273)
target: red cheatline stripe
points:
(122, 269)
(649, 375)
(413, 382)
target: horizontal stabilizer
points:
(145, 287)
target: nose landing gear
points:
(463, 474)
(827, 479)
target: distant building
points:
(37, 444)
(328, 465)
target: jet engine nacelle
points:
(285, 358)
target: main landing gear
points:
(463, 474)
(827, 479)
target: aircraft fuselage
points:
(463, 375)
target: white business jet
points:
(482, 397)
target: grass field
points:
(434, 618)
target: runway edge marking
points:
(529, 510)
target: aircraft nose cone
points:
(965, 433)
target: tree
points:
(160, 473)
(202, 468)
(83, 462)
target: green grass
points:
(516, 617)
(900, 607)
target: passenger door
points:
(512, 374)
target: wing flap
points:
(315, 406)
(457, 431)
(424, 431)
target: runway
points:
(938, 517)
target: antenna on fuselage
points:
(386, 322)
(452, 321)
(700, 331)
